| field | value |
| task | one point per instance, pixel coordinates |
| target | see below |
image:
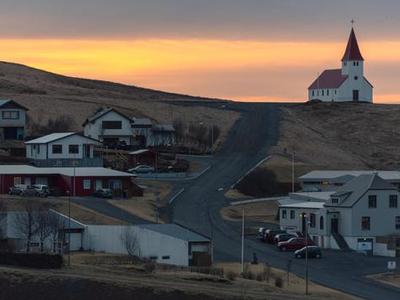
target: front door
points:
(355, 95)
(335, 225)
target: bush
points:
(279, 282)
(231, 275)
(149, 267)
(248, 275)
(32, 260)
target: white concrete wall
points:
(107, 238)
(94, 130)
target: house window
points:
(165, 257)
(73, 149)
(335, 200)
(312, 220)
(112, 125)
(10, 115)
(86, 184)
(372, 201)
(397, 223)
(284, 213)
(321, 222)
(365, 223)
(292, 214)
(393, 201)
(57, 149)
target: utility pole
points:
(293, 171)
(242, 260)
(69, 228)
(306, 223)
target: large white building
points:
(345, 84)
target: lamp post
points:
(69, 228)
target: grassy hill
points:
(49, 95)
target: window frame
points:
(54, 146)
(393, 199)
(113, 125)
(75, 147)
(365, 220)
(284, 214)
(372, 201)
(87, 184)
(292, 214)
(10, 113)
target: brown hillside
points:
(48, 95)
(340, 136)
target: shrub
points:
(279, 282)
(32, 260)
(149, 267)
(231, 275)
(248, 275)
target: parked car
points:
(17, 189)
(294, 244)
(313, 252)
(42, 190)
(283, 237)
(271, 233)
(261, 232)
(30, 191)
(142, 169)
(103, 193)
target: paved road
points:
(199, 205)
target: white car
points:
(143, 169)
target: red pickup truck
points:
(294, 244)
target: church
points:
(345, 84)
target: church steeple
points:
(352, 52)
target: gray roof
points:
(176, 231)
(101, 113)
(3, 101)
(50, 138)
(356, 188)
(343, 175)
(6, 101)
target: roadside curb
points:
(170, 201)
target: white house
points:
(162, 243)
(363, 215)
(64, 149)
(110, 127)
(12, 120)
(345, 84)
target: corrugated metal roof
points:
(176, 231)
(308, 204)
(142, 121)
(50, 138)
(320, 175)
(80, 171)
(329, 79)
(322, 196)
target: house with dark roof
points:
(345, 84)
(12, 120)
(63, 149)
(362, 214)
(109, 126)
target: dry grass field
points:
(101, 276)
(146, 207)
(258, 212)
(51, 95)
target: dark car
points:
(17, 189)
(313, 252)
(294, 244)
(271, 233)
(103, 193)
(283, 237)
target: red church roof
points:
(329, 79)
(352, 50)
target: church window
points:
(322, 92)
(327, 92)
(335, 92)
(313, 92)
(345, 63)
(354, 63)
(355, 77)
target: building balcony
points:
(64, 163)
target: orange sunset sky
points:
(259, 51)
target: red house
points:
(79, 181)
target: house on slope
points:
(64, 149)
(345, 84)
(362, 215)
(12, 120)
(109, 126)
